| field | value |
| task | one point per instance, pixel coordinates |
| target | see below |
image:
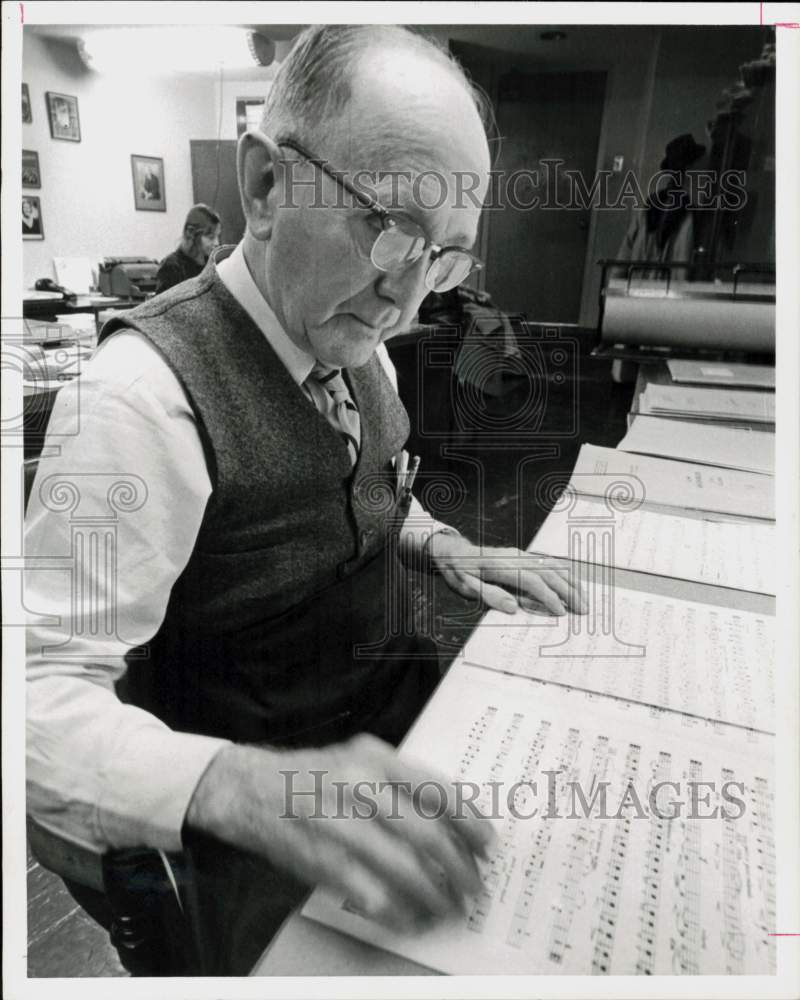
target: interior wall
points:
(226, 95)
(87, 188)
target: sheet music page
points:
(677, 484)
(729, 404)
(630, 878)
(709, 444)
(737, 554)
(706, 660)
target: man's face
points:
(330, 298)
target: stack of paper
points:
(708, 404)
(722, 373)
(736, 554)
(77, 274)
(708, 444)
(32, 295)
(674, 484)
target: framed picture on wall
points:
(32, 224)
(148, 184)
(248, 113)
(62, 112)
(31, 178)
(27, 113)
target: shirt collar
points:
(235, 275)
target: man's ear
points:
(257, 161)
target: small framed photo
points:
(248, 113)
(148, 184)
(32, 225)
(27, 113)
(62, 112)
(31, 178)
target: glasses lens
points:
(449, 270)
(396, 247)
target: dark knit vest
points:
(289, 623)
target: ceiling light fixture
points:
(173, 49)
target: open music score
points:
(700, 659)
(724, 553)
(650, 886)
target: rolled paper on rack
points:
(670, 321)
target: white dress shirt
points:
(99, 772)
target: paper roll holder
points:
(660, 282)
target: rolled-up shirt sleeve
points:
(129, 462)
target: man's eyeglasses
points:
(400, 241)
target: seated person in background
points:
(256, 573)
(200, 238)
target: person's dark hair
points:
(201, 219)
(313, 84)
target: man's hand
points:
(506, 579)
(364, 831)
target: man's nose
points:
(405, 286)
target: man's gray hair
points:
(313, 85)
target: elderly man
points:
(256, 578)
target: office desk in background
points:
(44, 306)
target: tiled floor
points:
(483, 458)
(62, 939)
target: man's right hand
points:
(365, 832)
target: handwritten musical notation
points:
(700, 659)
(640, 841)
(724, 553)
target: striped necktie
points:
(332, 398)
